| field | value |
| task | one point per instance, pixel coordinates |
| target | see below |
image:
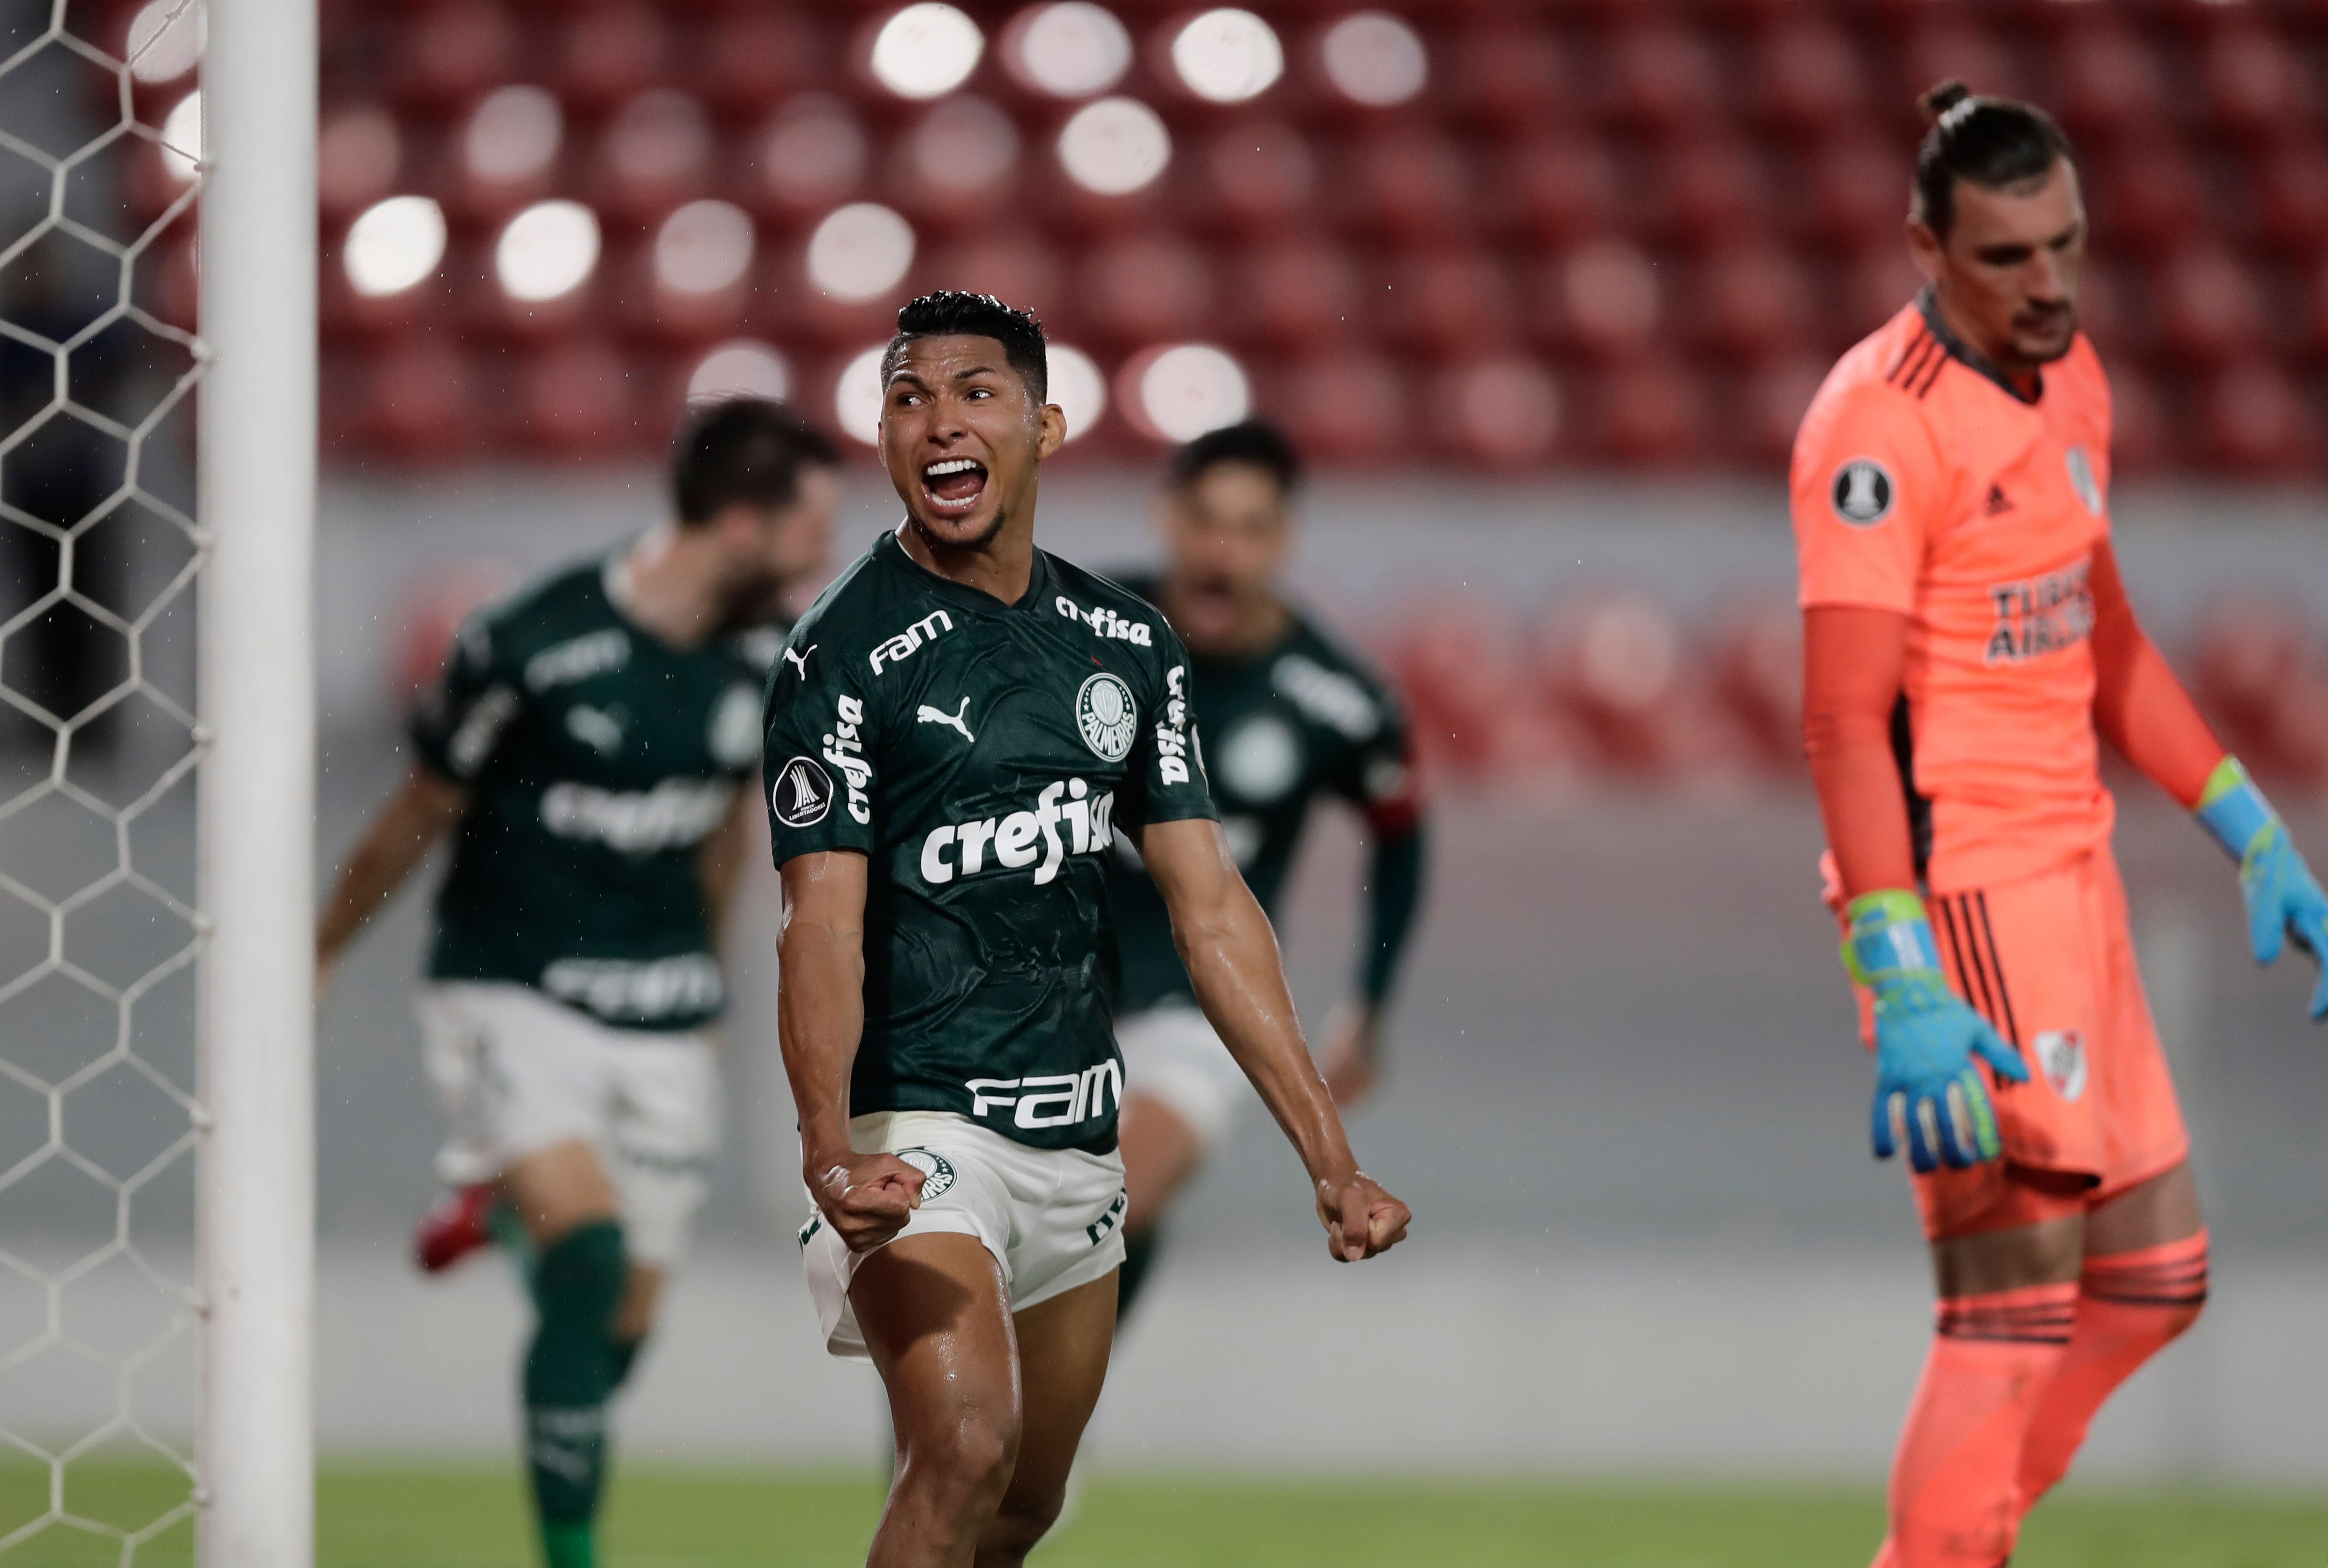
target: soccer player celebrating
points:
(959, 727)
(1290, 714)
(1968, 638)
(587, 749)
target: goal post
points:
(254, 812)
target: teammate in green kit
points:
(1289, 713)
(589, 749)
(959, 730)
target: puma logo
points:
(928, 715)
(800, 660)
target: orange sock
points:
(1954, 1497)
(2130, 1307)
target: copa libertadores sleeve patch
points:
(1863, 492)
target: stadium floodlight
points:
(857, 397)
(512, 134)
(1115, 147)
(254, 839)
(1180, 392)
(1076, 387)
(744, 368)
(394, 245)
(703, 247)
(1375, 58)
(1228, 55)
(548, 250)
(181, 137)
(860, 252)
(926, 51)
(1070, 49)
(166, 39)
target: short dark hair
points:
(743, 450)
(1253, 441)
(1992, 142)
(956, 312)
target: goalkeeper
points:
(1969, 643)
(588, 752)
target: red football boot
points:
(460, 1224)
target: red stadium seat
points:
(2260, 682)
(1858, 190)
(418, 403)
(1150, 287)
(1947, 46)
(359, 153)
(2208, 307)
(2107, 84)
(957, 163)
(1297, 293)
(2254, 421)
(2143, 434)
(452, 52)
(574, 401)
(1258, 176)
(1711, 189)
(1601, 297)
(1774, 397)
(1660, 77)
(1652, 411)
(1505, 73)
(1448, 303)
(1558, 187)
(2291, 196)
(1347, 409)
(1808, 78)
(654, 154)
(609, 52)
(1752, 300)
(1408, 184)
(2252, 83)
(1881, 280)
(1457, 659)
(810, 157)
(751, 56)
(1616, 666)
(1012, 264)
(1757, 668)
(2146, 193)
(1500, 411)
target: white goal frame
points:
(256, 794)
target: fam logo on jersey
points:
(2040, 616)
(1863, 492)
(1024, 838)
(1043, 1100)
(1107, 717)
(2082, 480)
(907, 642)
(937, 1170)
(802, 794)
(2061, 1058)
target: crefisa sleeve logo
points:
(802, 792)
(1863, 492)
(1105, 714)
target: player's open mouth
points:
(954, 485)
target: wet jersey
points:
(597, 760)
(1304, 718)
(981, 756)
(1922, 482)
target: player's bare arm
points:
(1232, 959)
(720, 861)
(867, 1198)
(422, 811)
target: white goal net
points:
(99, 557)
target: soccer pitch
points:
(419, 1516)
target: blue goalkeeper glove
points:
(1928, 1093)
(2284, 898)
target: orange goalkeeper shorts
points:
(2049, 960)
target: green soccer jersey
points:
(597, 760)
(1301, 718)
(982, 756)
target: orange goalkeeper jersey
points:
(1924, 483)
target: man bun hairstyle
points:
(956, 312)
(1253, 441)
(1994, 143)
(743, 451)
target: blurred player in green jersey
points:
(1288, 713)
(589, 750)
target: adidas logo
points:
(1997, 501)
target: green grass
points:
(414, 1517)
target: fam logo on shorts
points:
(937, 1170)
(1106, 715)
(1863, 492)
(802, 793)
(2061, 1058)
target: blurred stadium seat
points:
(1717, 187)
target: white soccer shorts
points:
(516, 1072)
(1171, 1053)
(1052, 1217)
